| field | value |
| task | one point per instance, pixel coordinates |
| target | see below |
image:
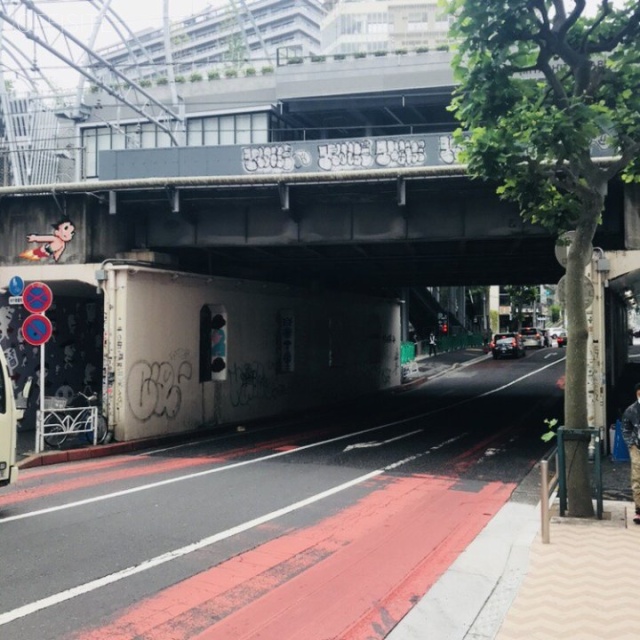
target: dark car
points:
(507, 345)
(562, 338)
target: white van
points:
(8, 433)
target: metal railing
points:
(548, 486)
(452, 343)
(56, 419)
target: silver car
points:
(532, 338)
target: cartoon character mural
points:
(51, 246)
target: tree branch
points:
(631, 28)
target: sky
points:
(78, 17)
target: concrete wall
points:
(341, 346)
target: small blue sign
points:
(16, 286)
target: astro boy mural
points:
(53, 245)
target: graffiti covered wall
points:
(284, 350)
(73, 355)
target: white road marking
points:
(379, 443)
(190, 476)
(93, 585)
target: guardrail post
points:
(544, 501)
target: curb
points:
(102, 450)
(420, 380)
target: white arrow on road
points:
(375, 443)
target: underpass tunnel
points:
(73, 351)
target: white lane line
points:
(191, 476)
(379, 443)
(68, 594)
(93, 585)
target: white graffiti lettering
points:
(269, 158)
(400, 153)
(351, 154)
(448, 150)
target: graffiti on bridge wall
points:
(354, 154)
(155, 388)
(249, 382)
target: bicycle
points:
(75, 419)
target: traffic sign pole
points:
(40, 430)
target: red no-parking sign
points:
(37, 297)
(36, 329)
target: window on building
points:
(227, 130)
(243, 129)
(211, 131)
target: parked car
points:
(532, 337)
(561, 338)
(507, 345)
(554, 332)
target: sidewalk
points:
(508, 585)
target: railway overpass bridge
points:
(363, 195)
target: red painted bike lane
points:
(351, 576)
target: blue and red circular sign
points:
(37, 297)
(36, 329)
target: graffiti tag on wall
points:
(342, 155)
(155, 388)
(250, 382)
(274, 158)
(448, 149)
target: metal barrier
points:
(59, 420)
(548, 487)
(407, 352)
(452, 343)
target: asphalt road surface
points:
(330, 525)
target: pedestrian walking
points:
(433, 345)
(631, 436)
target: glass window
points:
(243, 129)
(104, 139)
(118, 139)
(211, 133)
(227, 130)
(148, 136)
(164, 139)
(260, 128)
(194, 132)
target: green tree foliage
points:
(541, 81)
(521, 296)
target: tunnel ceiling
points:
(382, 265)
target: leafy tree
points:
(539, 82)
(521, 296)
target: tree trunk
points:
(579, 499)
